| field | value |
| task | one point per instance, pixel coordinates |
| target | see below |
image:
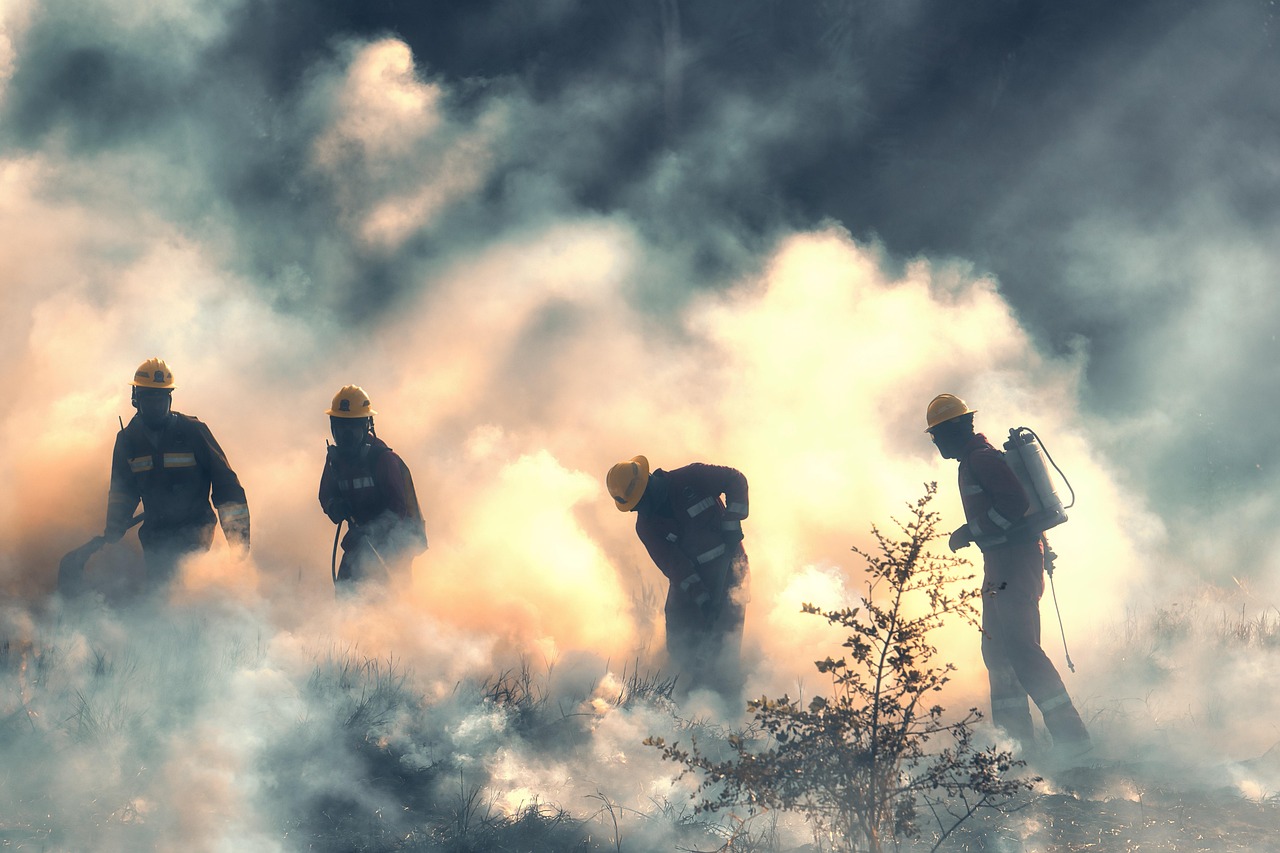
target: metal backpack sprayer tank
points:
(1030, 463)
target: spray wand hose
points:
(1047, 455)
(1049, 557)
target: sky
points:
(546, 237)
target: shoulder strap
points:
(369, 455)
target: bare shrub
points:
(874, 762)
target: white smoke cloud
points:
(535, 339)
(392, 156)
(515, 368)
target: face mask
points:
(949, 443)
(349, 433)
(153, 408)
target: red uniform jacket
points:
(694, 535)
(378, 488)
(174, 478)
(994, 501)
(994, 504)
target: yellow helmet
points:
(945, 407)
(153, 373)
(351, 402)
(627, 481)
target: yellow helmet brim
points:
(946, 407)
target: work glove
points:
(731, 528)
(959, 539)
(705, 605)
(338, 510)
(237, 532)
(234, 518)
(354, 538)
(697, 590)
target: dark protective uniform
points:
(695, 539)
(174, 472)
(387, 530)
(1012, 584)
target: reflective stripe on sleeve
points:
(738, 508)
(708, 556)
(140, 464)
(671, 537)
(693, 578)
(982, 539)
(179, 460)
(974, 489)
(999, 519)
(229, 510)
(702, 506)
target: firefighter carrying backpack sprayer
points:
(1009, 503)
(1030, 461)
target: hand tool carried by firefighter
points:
(71, 568)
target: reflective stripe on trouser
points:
(709, 655)
(1010, 708)
(1018, 667)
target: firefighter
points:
(690, 521)
(173, 464)
(1012, 582)
(366, 484)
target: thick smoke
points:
(527, 300)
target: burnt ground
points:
(1128, 808)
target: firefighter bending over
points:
(172, 464)
(695, 538)
(367, 485)
(1012, 582)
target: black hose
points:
(333, 560)
(1055, 467)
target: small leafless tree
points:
(874, 763)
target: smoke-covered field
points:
(548, 236)
(195, 725)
